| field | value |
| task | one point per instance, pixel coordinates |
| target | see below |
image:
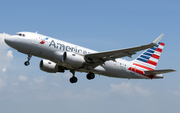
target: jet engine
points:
(51, 67)
(73, 59)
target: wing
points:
(101, 57)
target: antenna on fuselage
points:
(36, 32)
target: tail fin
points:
(149, 59)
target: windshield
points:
(20, 34)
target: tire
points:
(26, 63)
(73, 79)
(90, 76)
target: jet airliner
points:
(59, 56)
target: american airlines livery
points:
(60, 56)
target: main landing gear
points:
(90, 76)
(27, 62)
(74, 79)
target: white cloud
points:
(10, 55)
(37, 83)
(91, 94)
(123, 87)
(87, 94)
(38, 80)
(2, 43)
(6, 55)
(22, 78)
(4, 70)
(130, 89)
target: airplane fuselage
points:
(53, 49)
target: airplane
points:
(59, 56)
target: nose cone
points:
(9, 40)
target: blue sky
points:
(99, 25)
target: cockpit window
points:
(20, 34)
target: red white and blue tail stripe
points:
(149, 59)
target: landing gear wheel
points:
(73, 79)
(90, 76)
(26, 63)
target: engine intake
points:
(73, 59)
(51, 67)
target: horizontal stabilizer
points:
(154, 72)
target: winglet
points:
(156, 41)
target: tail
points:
(149, 59)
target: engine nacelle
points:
(50, 67)
(73, 59)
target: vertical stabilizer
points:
(149, 59)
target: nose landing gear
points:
(27, 62)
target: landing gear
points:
(27, 62)
(73, 79)
(90, 76)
